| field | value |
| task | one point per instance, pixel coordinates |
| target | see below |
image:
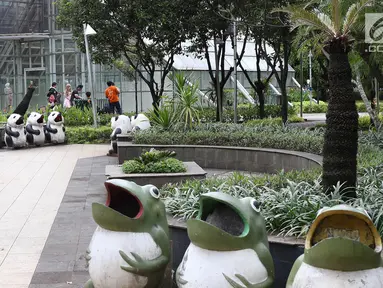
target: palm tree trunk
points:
(341, 137)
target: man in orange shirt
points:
(112, 93)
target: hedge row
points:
(219, 134)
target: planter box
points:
(284, 250)
(157, 179)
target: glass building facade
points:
(34, 48)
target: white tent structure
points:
(196, 68)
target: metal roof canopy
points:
(190, 61)
(21, 36)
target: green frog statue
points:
(130, 247)
(229, 246)
(342, 249)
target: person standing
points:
(75, 94)
(53, 95)
(112, 93)
(67, 96)
(9, 95)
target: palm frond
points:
(335, 5)
(302, 17)
(352, 15)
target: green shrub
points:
(220, 134)
(154, 161)
(165, 117)
(364, 122)
(289, 205)
(273, 121)
(247, 111)
(310, 108)
(88, 135)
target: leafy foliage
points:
(187, 100)
(88, 135)
(164, 116)
(154, 161)
(218, 134)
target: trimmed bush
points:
(322, 107)
(154, 161)
(247, 111)
(273, 121)
(88, 135)
(219, 134)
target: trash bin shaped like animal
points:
(229, 246)
(342, 249)
(130, 247)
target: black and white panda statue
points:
(35, 129)
(121, 126)
(140, 122)
(15, 135)
(55, 129)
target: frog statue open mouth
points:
(228, 243)
(123, 201)
(130, 247)
(342, 249)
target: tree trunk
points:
(341, 137)
(284, 108)
(371, 112)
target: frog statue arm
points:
(267, 260)
(143, 267)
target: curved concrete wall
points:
(230, 158)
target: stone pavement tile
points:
(14, 279)
(19, 263)
(51, 278)
(27, 245)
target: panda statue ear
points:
(116, 118)
(8, 116)
(29, 114)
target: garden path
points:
(32, 184)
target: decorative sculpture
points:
(35, 129)
(55, 130)
(130, 247)
(342, 249)
(229, 246)
(140, 122)
(15, 135)
(121, 126)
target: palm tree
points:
(341, 137)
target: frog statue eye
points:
(255, 205)
(155, 192)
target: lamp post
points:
(310, 75)
(301, 85)
(88, 30)
(235, 71)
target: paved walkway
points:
(32, 185)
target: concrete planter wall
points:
(230, 158)
(157, 179)
(284, 251)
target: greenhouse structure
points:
(34, 48)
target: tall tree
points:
(213, 22)
(341, 137)
(145, 34)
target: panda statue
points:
(55, 130)
(15, 134)
(35, 129)
(121, 126)
(15, 131)
(140, 122)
